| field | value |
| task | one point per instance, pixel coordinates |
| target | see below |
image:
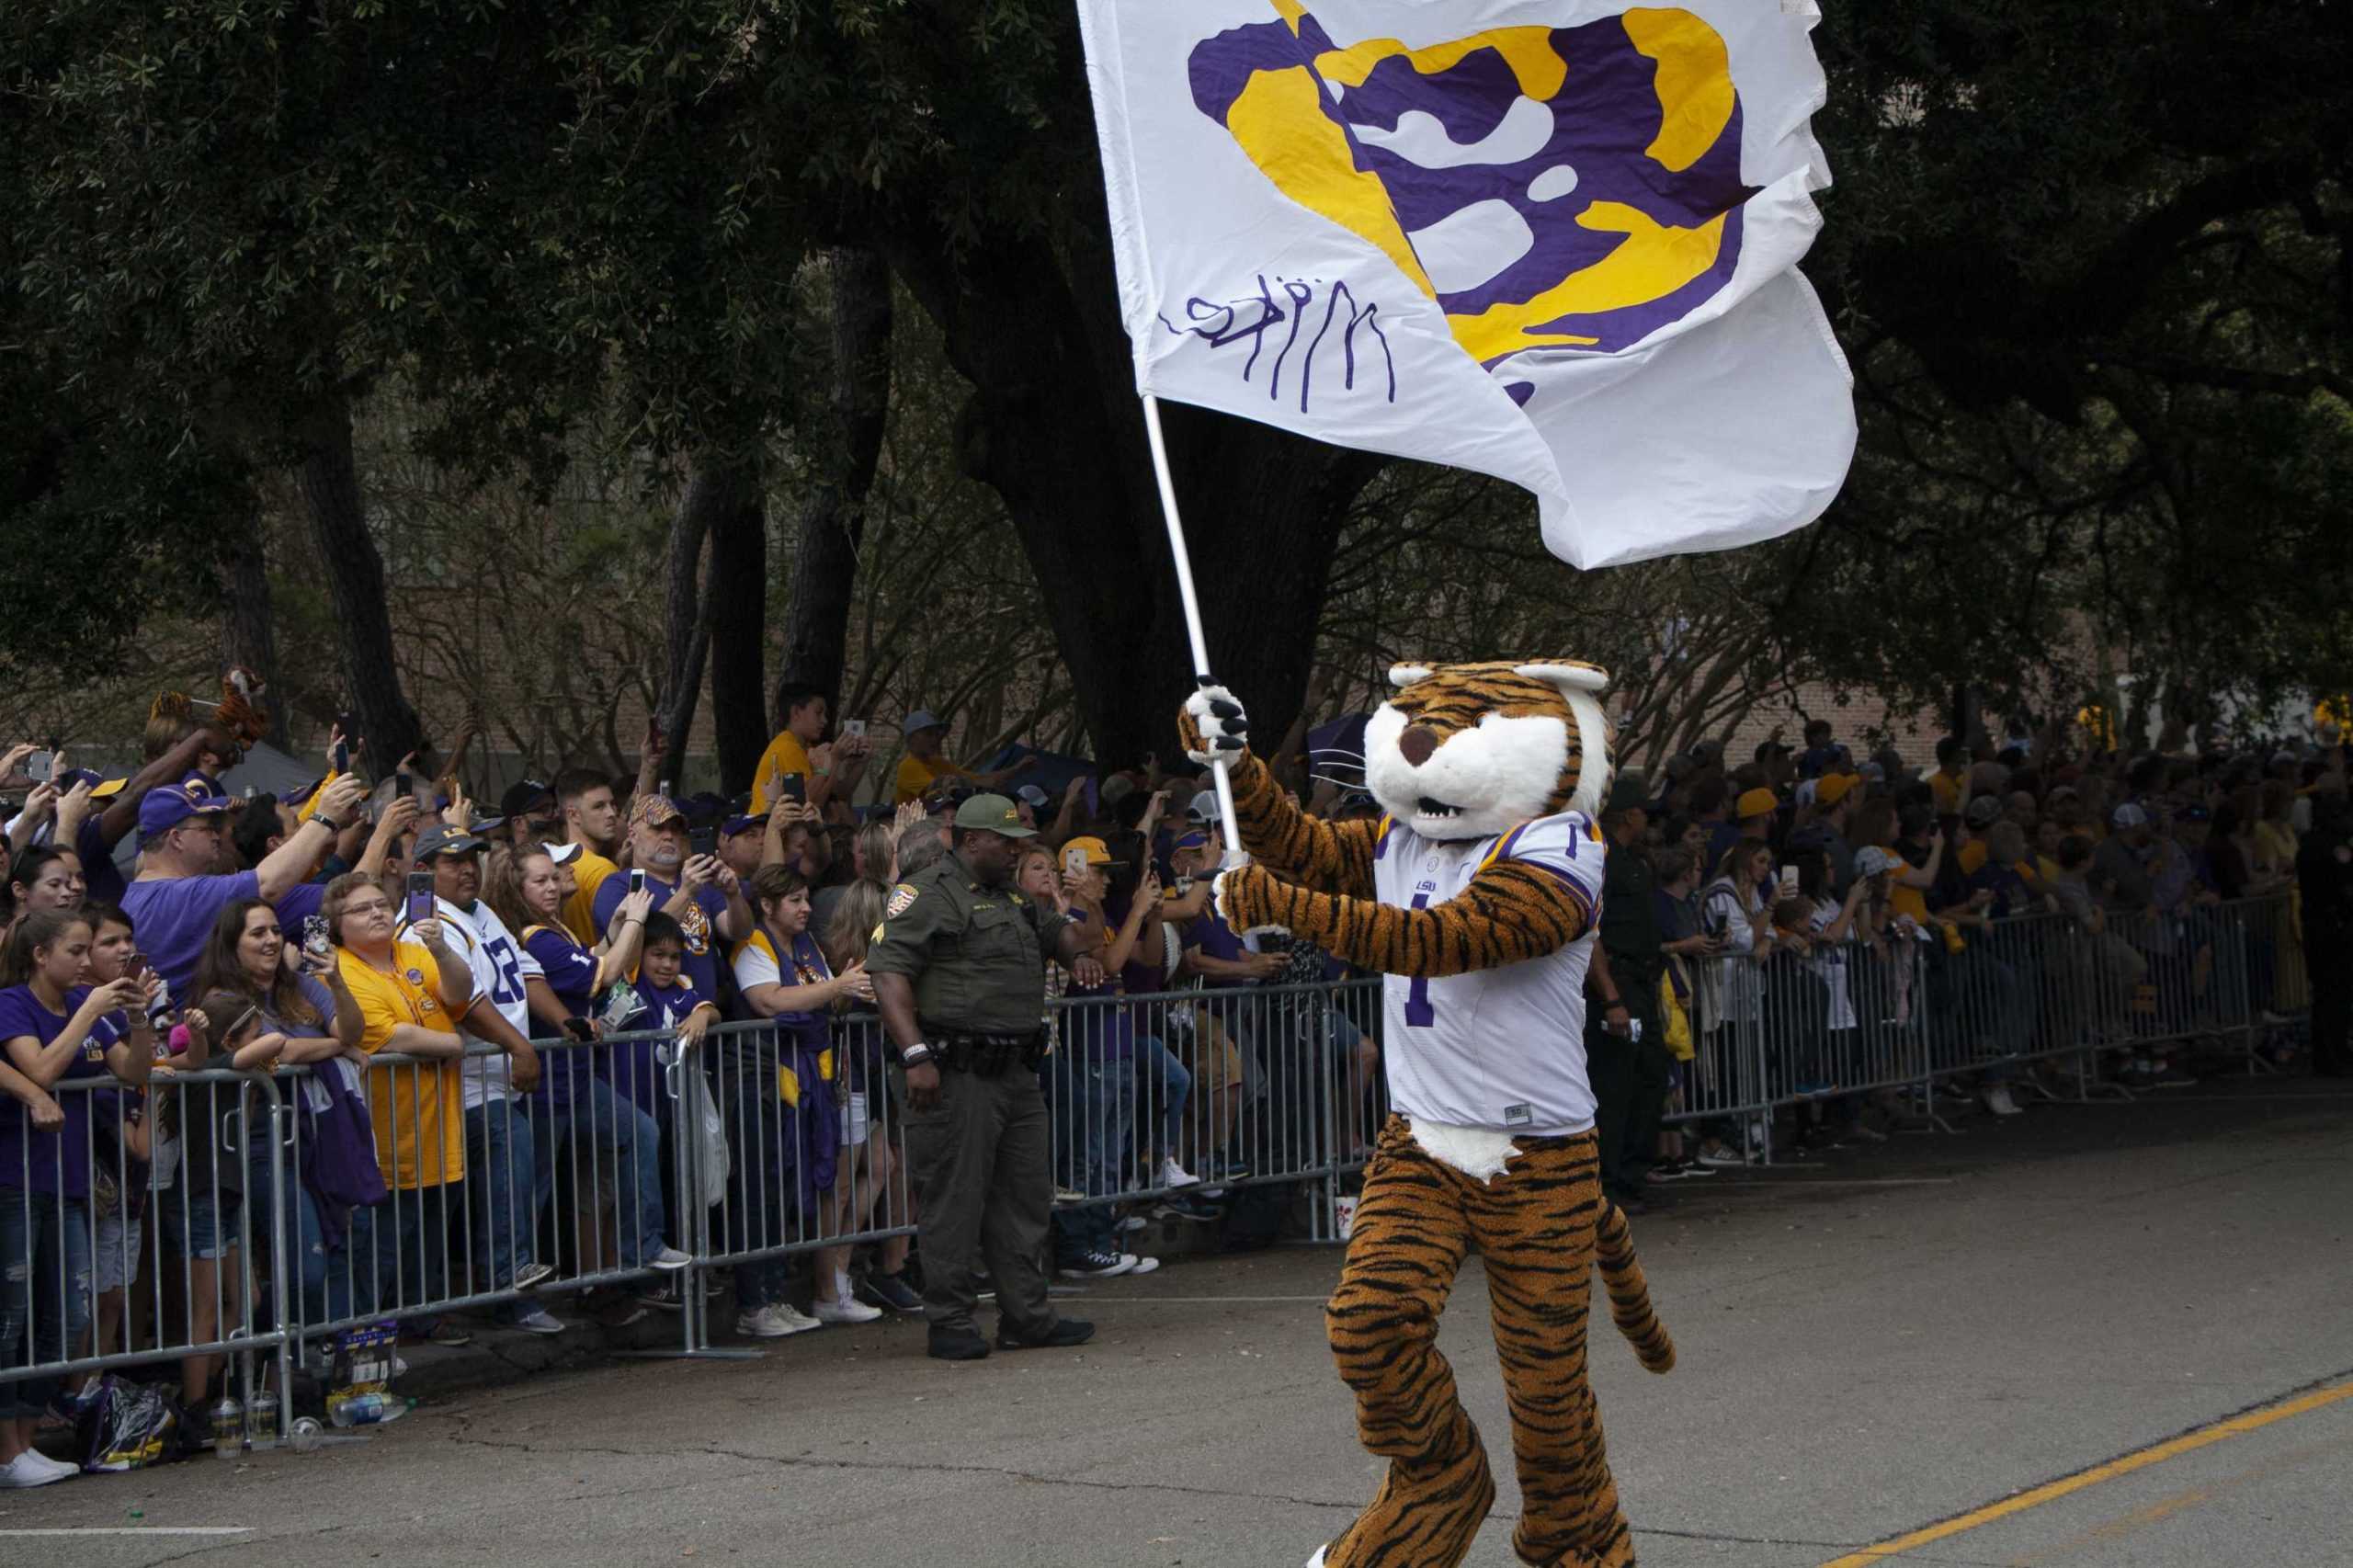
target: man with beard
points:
(697, 890)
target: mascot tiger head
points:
(1471, 751)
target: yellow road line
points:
(2236, 1426)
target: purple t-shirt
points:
(297, 906)
(55, 1162)
(174, 917)
(701, 923)
(571, 971)
(100, 876)
(633, 1069)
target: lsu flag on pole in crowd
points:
(1555, 241)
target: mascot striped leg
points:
(1540, 1227)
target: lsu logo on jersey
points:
(695, 924)
(1553, 188)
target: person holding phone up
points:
(825, 772)
(697, 890)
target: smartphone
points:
(404, 785)
(420, 896)
(854, 727)
(636, 880)
(668, 789)
(341, 757)
(315, 944)
(40, 766)
(1094, 805)
(1789, 881)
(793, 788)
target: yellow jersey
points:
(419, 1112)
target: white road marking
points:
(140, 1529)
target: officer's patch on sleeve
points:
(903, 898)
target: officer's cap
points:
(994, 814)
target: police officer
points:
(960, 969)
(1626, 1050)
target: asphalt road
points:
(1890, 1339)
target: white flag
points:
(1555, 241)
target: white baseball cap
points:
(562, 854)
(1204, 807)
(921, 719)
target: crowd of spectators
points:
(483, 1019)
(2045, 914)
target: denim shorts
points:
(115, 1251)
(205, 1229)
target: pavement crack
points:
(1000, 1472)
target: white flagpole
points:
(1233, 852)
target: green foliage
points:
(2089, 263)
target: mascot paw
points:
(1213, 726)
(1241, 897)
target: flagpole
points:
(1234, 851)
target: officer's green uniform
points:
(982, 1157)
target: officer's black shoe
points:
(1066, 1332)
(958, 1344)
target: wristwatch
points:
(915, 1055)
(327, 822)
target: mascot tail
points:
(1629, 1293)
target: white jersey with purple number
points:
(1499, 1048)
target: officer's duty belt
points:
(989, 1055)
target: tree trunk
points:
(738, 593)
(833, 520)
(715, 488)
(248, 636)
(355, 573)
(1054, 427)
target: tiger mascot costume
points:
(1476, 895)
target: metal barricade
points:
(764, 1142)
(129, 1232)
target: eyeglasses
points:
(375, 906)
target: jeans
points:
(44, 1291)
(1170, 1084)
(324, 1280)
(1102, 1095)
(414, 1229)
(623, 1143)
(498, 1163)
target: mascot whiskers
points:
(1476, 894)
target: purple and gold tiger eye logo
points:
(1555, 188)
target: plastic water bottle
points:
(261, 1422)
(229, 1428)
(359, 1410)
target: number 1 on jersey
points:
(1419, 1012)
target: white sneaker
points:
(768, 1322)
(1133, 1224)
(30, 1468)
(852, 1311)
(1998, 1101)
(1174, 1174)
(1145, 1266)
(668, 1257)
(63, 1467)
(531, 1274)
(536, 1321)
